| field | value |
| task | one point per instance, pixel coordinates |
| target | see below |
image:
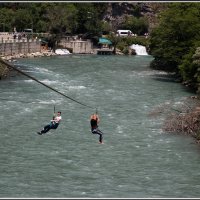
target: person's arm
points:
(54, 116)
(98, 120)
(56, 119)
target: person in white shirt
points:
(52, 125)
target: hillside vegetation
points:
(74, 18)
(174, 28)
(175, 40)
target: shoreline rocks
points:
(11, 58)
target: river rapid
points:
(137, 159)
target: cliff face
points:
(116, 12)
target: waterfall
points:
(139, 49)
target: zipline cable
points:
(25, 74)
(54, 112)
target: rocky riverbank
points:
(184, 119)
(11, 58)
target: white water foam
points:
(50, 102)
(147, 73)
(28, 81)
(119, 129)
(49, 82)
(77, 87)
(46, 81)
(25, 110)
(139, 49)
(30, 68)
(42, 69)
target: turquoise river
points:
(137, 159)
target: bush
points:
(121, 45)
(125, 50)
(136, 25)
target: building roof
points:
(104, 41)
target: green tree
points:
(60, 17)
(106, 27)
(23, 19)
(6, 19)
(190, 69)
(196, 63)
(115, 41)
(176, 34)
(136, 25)
(89, 18)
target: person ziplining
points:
(54, 123)
(94, 121)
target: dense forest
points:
(62, 18)
(50, 17)
(173, 42)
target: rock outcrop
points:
(116, 12)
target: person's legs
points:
(54, 126)
(100, 137)
(46, 128)
(98, 132)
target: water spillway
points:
(139, 49)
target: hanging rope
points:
(54, 112)
(25, 74)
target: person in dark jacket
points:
(94, 121)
